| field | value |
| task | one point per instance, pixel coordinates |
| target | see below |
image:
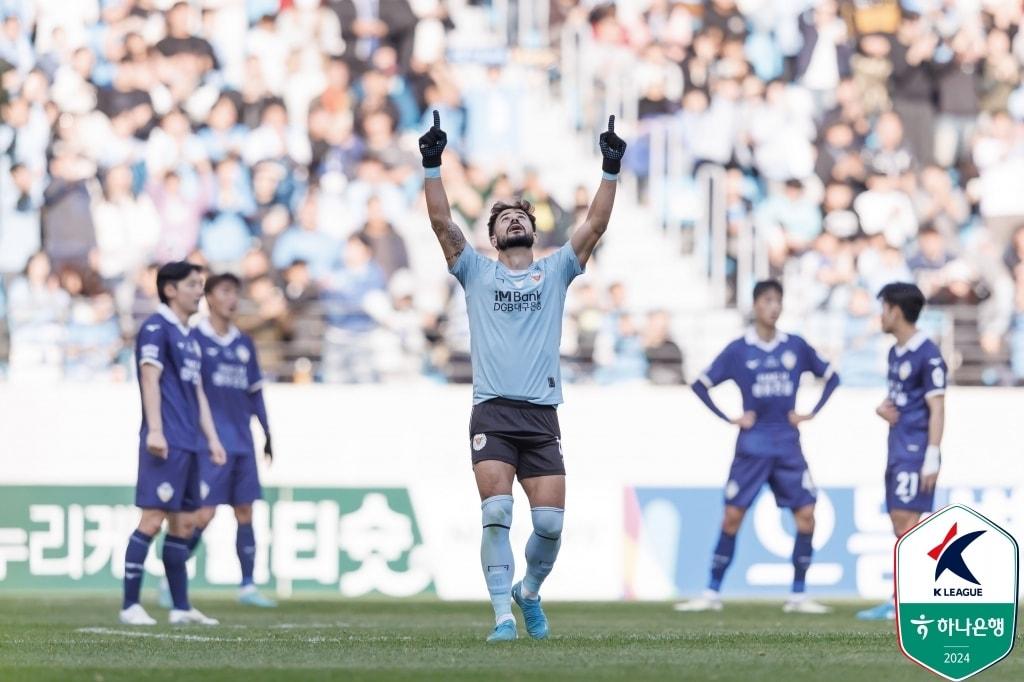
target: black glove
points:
(432, 143)
(268, 450)
(613, 148)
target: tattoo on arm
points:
(452, 241)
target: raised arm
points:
(448, 234)
(586, 236)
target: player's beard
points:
(519, 240)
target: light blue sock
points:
(542, 547)
(496, 554)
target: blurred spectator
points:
(348, 291)
(306, 242)
(20, 203)
(664, 357)
(386, 245)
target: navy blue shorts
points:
(235, 482)
(788, 477)
(525, 435)
(903, 488)
(170, 484)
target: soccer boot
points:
(135, 615)
(505, 631)
(709, 601)
(533, 614)
(884, 611)
(250, 596)
(807, 606)
(191, 617)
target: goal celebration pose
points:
(515, 306)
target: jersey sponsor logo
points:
(230, 376)
(479, 441)
(165, 491)
(904, 370)
(772, 385)
(789, 359)
(191, 371)
(516, 301)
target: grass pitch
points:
(79, 638)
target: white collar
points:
(165, 312)
(207, 329)
(753, 339)
(913, 343)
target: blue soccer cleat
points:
(533, 614)
(505, 631)
(164, 599)
(250, 596)
(884, 611)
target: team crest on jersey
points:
(904, 370)
(789, 359)
(212, 352)
(537, 277)
(193, 347)
(165, 491)
(204, 490)
(243, 354)
(152, 327)
(479, 441)
(752, 364)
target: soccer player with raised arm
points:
(766, 365)
(234, 387)
(515, 309)
(175, 417)
(915, 410)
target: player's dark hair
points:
(519, 204)
(905, 296)
(766, 285)
(172, 273)
(214, 281)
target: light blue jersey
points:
(515, 324)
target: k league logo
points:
(956, 579)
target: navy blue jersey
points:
(768, 376)
(231, 374)
(916, 372)
(165, 342)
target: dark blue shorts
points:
(788, 477)
(903, 488)
(170, 484)
(235, 482)
(522, 434)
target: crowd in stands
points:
(865, 140)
